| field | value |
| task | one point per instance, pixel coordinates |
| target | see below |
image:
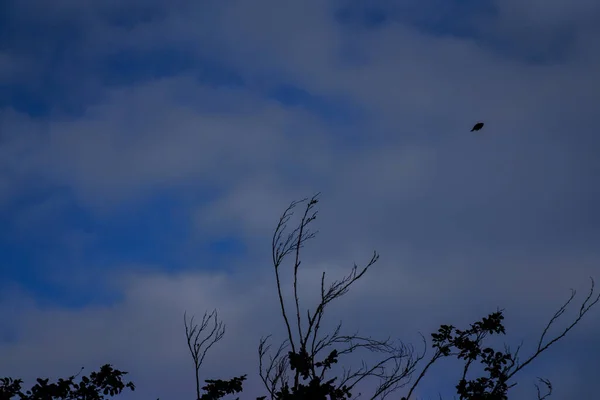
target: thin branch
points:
(438, 354)
(275, 372)
(302, 237)
(585, 307)
(336, 290)
(393, 369)
(293, 242)
(548, 385)
(279, 251)
(198, 348)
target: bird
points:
(477, 126)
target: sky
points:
(148, 148)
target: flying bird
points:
(477, 126)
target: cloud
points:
(549, 14)
(144, 334)
(157, 134)
(230, 112)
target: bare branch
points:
(586, 305)
(394, 367)
(548, 385)
(336, 290)
(438, 354)
(198, 348)
(313, 353)
(274, 373)
(302, 237)
(293, 242)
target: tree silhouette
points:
(501, 366)
(105, 383)
(199, 341)
(300, 367)
(199, 345)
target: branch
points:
(392, 369)
(585, 307)
(198, 348)
(282, 247)
(275, 372)
(548, 387)
(302, 237)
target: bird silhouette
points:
(477, 126)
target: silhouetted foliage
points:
(216, 389)
(106, 382)
(302, 366)
(501, 366)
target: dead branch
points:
(199, 347)
(282, 248)
(548, 385)
(586, 305)
(393, 369)
(312, 353)
(274, 374)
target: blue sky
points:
(147, 149)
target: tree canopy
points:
(301, 365)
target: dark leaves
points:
(106, 382)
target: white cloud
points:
(157, 135)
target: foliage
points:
(302, 366)
(216, 389)
(106, 382)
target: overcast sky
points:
(148, 147)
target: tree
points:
(214, 389)
(197, 347)
(105, 383)
(300, 367)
